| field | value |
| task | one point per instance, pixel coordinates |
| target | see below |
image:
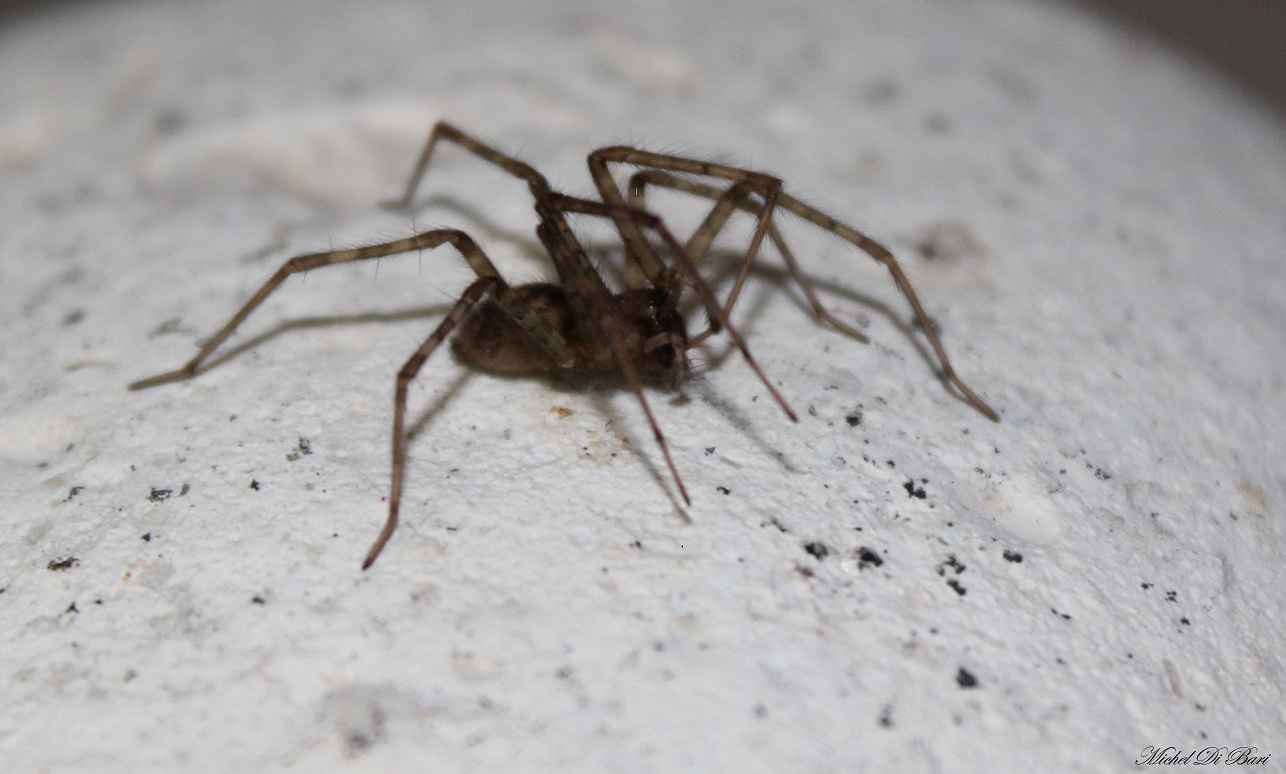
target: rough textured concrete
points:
(893, 583)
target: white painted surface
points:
(1113, 283)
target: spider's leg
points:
(473, 254)
(882, 254)
(735, 197)
(445, 131)
(470, 298)
(766, 186)
(648, 220)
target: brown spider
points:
(577, 331)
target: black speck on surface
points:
(146, 537)
(65, 563)
(724, 490)
(957, 587)
(886, 716)
(953, 564)
(258, 600)
(965, 679)
(304, 447)
(854, 419)
(1013, 556)
(868, 558)
(183, 490)
(75, 490)
(158, 495)
(913, 490)
(817, 550)
(254, 484)
(1172, 596)
(72, 608)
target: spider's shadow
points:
(324, 321)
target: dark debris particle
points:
(71, 493)
(258, 600)
(806, 572)
(817, 550)
(146, 537)
(72, 608)
(886, 716)
(158, 495)
(1145, 586)
(868, 558)
(73, 317)
(1063, 616)
(710, 450)
(1172, 596)
(303, 448)
(1185, 621)
(951, 563)
(957, 587)
(913, 490)
(854, 419)
(1013, 556)
(254, 484)
(65, 563)
(965, 679)
(724, 490)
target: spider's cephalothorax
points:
(577, 331)
(491, 340)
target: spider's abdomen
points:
(491, 340)
(495, 340)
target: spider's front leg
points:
(466, 303)
(727, 201)
(738, 196)
(767, 186)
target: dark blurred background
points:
(1245, 40)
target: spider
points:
(577, 331)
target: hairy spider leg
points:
(767, 186)
(647, 219)
(727, 201)
(446, 131)
(471, 296)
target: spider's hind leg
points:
(473, 254)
